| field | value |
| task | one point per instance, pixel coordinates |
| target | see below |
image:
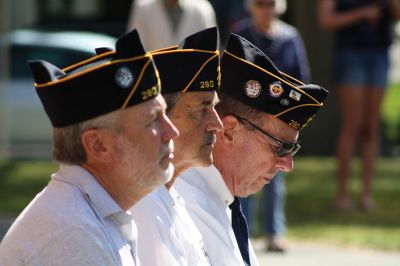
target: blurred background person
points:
(363, 31)
(227, 12)
(284, 45)
(163, 23)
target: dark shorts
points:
(362, 68)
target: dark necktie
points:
(239, 226)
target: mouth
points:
(167, 155)
(167, 159)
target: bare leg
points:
(370, 141)
(350, 100)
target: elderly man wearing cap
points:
(113, 141)
(189, 77)
(262, 110)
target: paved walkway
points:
(303, 254)
(312, 254)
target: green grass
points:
(310, 192)
(20, 181)
(391, 113)
(310, 213)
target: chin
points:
(168, 173)
(205, 158)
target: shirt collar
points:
(216, 183)
(89, 186)
(164, 195)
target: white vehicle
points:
(28, 128)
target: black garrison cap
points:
(98, 85)
(193, 65)
(249, 76)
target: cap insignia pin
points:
(252, 88)
(295, 95)
(124, 77)
(275, 89)
(284, 102)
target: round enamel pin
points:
(275, 89)
(284, 102)
(252, 88)
(124, 77)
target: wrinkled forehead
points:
(199, 97)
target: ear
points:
(97, 145)
(230, 130)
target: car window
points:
(61, 57)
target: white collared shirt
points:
(166, 233)
(73, 221)
(207, 200)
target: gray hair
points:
(67, 145)
(231, 106)
(280, 5)
(171, 99)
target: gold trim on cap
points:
(292, 78)
(200, 69)
(136, 83)
(298, 106)
(106, 64)
(271, 74)
(164, 51)
(94, 58)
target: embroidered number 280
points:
(294, 124)
(207, 84)
(149, 93)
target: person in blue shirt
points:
(283, 44)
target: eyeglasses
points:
(284, 147)
(269, 4)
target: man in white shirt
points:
(189, 77)
(262, 110)
(99, 113)
(163, 23)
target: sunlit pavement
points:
(317, 254)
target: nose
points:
(214, 122)
(285, 163)
(169, 131)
